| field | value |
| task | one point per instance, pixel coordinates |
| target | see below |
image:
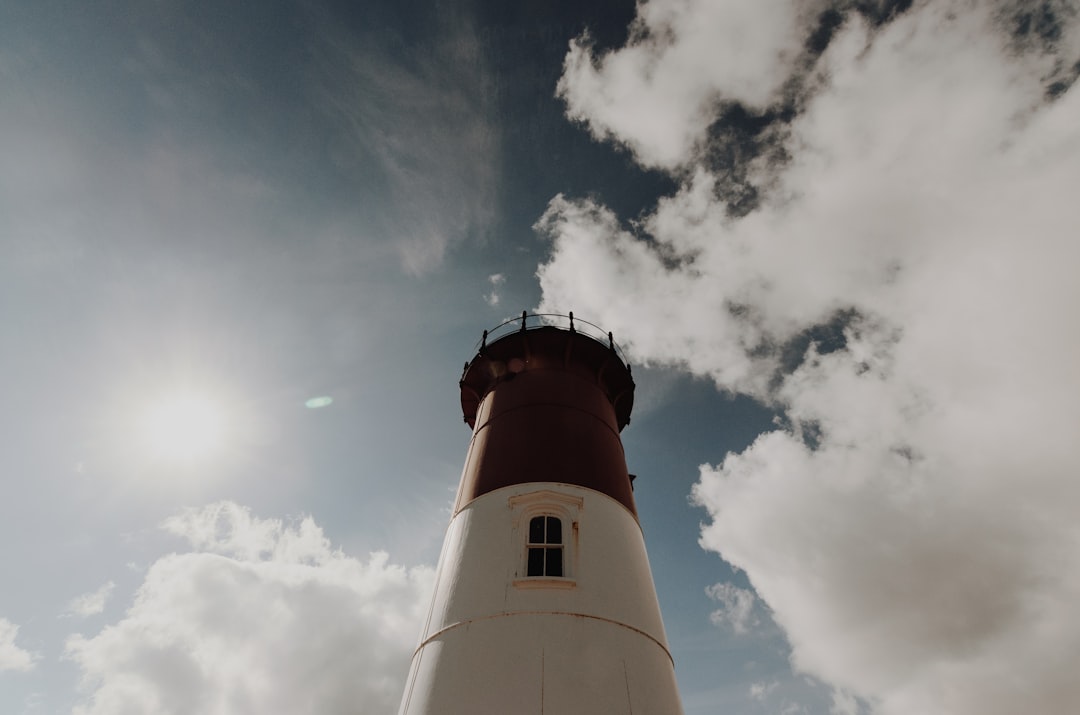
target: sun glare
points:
(183, 427)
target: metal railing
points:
(543, 320)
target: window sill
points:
(543, 582)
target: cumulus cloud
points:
(259, 616)
(902, 295)
(89, 604)
(684, 56)
(12, 657)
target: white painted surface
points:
(496, 642)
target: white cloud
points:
(912, 527)
(492, 298)
(656, 94)
(89, 604)
(261, 616)
(12, 657)
(736, 606)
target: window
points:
(546, 526)
(545, 547)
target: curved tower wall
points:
(577, 631)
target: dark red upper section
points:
(546, 405)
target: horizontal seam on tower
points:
(620, 624)
(558, 484)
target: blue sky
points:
(837, 239)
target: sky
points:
(246, 248)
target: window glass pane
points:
(554, 531)
(554, 563)
(536, 562)
(536, 530)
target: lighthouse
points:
(544, 601)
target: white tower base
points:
(499, 642)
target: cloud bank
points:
(899, 286)
(260, 616)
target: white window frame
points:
(566, 508)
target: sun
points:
(183, 427)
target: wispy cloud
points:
(493, 297)
(357, 137)
(260, 616)
(736, 607)
(761, 690)
(901, 291)
(89, 604)
(425, 123)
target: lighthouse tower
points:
(544, 602)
